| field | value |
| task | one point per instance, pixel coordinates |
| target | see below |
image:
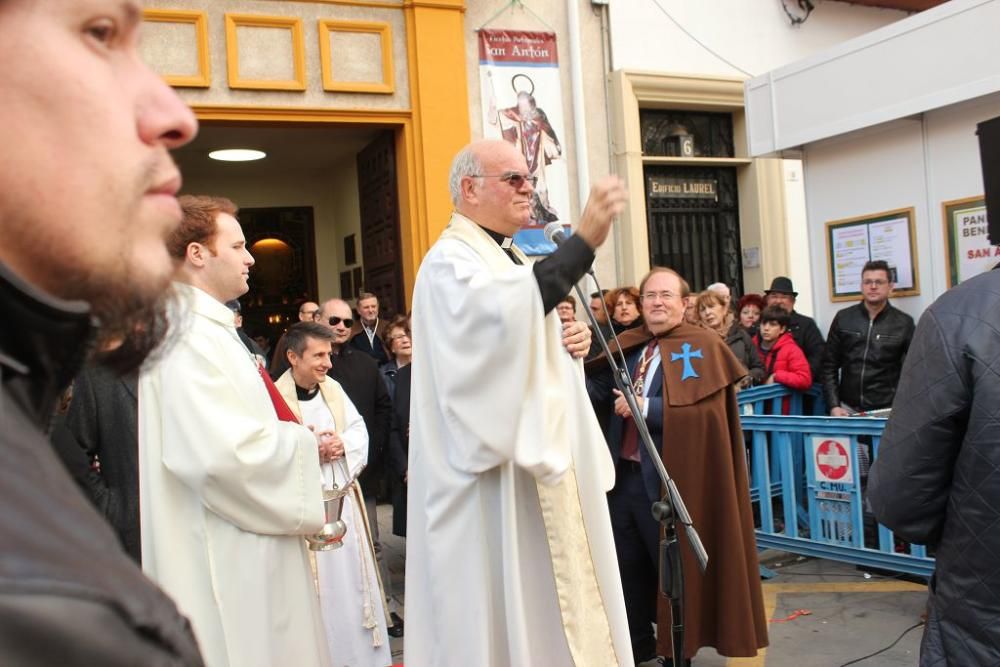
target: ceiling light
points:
(237, 155)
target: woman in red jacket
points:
(784, 361)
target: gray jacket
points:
(69, 595)
(936, 479)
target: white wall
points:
(916, 162)
(754, 35)
(333, 194)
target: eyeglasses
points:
(393, 339)
(334, 321)
(514, 179)
(874, 282)
(663, 296)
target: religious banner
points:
(522, 104)
(967, 248)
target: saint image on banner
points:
(521, 93)
(527, 127)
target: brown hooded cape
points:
(704, 453)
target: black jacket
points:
(867, 355)
(740, 342)
(935, 479)
(399, 448)
(805, 332)
(69, 594)
(358, 374)
(102, 423)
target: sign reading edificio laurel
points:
(522, 104)
(967, 248)
(664, 187)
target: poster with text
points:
(968, 249)
(887, 236)
(522, 104)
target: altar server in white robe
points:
(510, 555)
(350, 590)
(226, 490)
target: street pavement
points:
(850, 615)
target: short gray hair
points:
(298, 335)
(466, 163)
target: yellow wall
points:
(428, 107)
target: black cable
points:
(883, 650)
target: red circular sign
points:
(832, 459)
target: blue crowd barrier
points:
(807, 482)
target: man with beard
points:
(226, 491)
(685, 380)
(86, 200)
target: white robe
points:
(500, 419)
(349, 591)
(226, 493)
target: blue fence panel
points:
(807, 471)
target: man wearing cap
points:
(803, 328)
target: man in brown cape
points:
(689, 403)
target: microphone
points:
(554, 233)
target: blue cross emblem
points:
(687, 355)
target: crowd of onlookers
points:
(857, 364)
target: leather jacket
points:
(868, 356)
(69, 594)
(934, 480)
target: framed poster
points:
(888, 236)
(966, 246)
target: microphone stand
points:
(669, 510)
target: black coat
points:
(102, 423)
(69, 594)
(864, 357)
(359, 376)
(740, 342)
(805, 332)
(935, 480)
(399, 448)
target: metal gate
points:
(693, 222)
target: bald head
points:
(482, 187)
(339, 311)
(308, 311)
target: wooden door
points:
(380, 246)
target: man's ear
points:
(195, 253)
(469, 189)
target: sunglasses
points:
(334, 321)
(514, 179)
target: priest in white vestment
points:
(350, 590)
(510, 555)
(226, 490)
